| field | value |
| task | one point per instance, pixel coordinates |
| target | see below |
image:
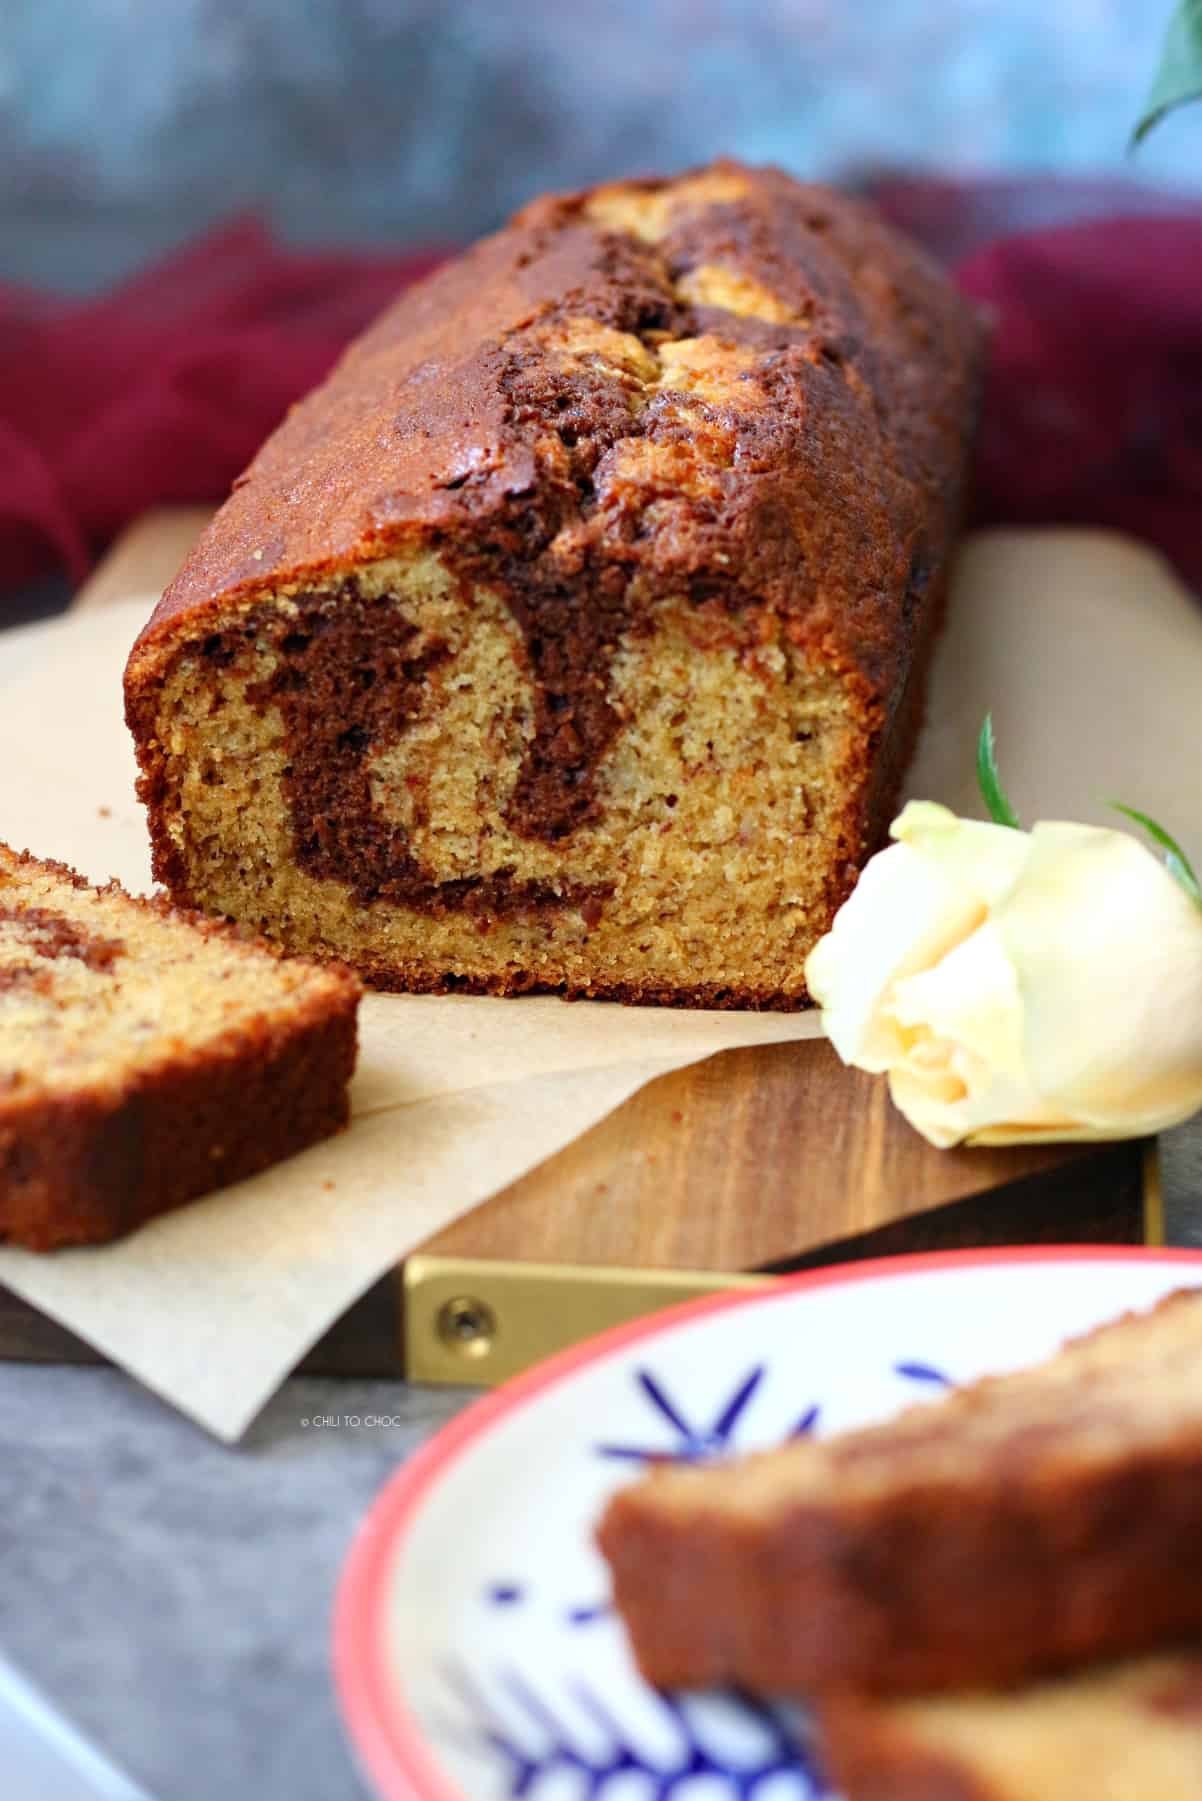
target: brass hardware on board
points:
(477, 1322)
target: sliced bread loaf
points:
(148, 1055)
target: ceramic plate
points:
(475, 1653)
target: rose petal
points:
(1107, 949)
(962, 1070)
(913, 903)
(979, 858)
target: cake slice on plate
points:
(1024, 1524)
(147, 1055)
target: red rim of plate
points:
(389, 1742)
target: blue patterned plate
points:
(475, 1652)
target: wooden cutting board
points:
(754, 1161)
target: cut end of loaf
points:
(372, 770)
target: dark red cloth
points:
(1092, 409)
(162, 391)
(1093, 401)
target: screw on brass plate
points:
(467, 1326)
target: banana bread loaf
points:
(1019, 1525)
(1123, 1732)
(146, 1056)
(572, 635)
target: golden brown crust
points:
(729, 390)
(391, 979)
(937, 1551)
(430, 425)
(90, 1164)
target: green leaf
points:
(1179, 77)
(990, 782)
(1175, 859)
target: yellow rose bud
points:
(1016, 985)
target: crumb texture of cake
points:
(148, 1056)
(1122, 1732)
(572, 636)
(1018, 1526)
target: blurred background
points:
(128, 125)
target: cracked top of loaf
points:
(730, 384)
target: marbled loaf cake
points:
(572, 635)
(147, 1056)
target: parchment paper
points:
(1085, 647)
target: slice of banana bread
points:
(1124, 1732)
(573, 634)
(1019, 1525)
(148, 1055)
